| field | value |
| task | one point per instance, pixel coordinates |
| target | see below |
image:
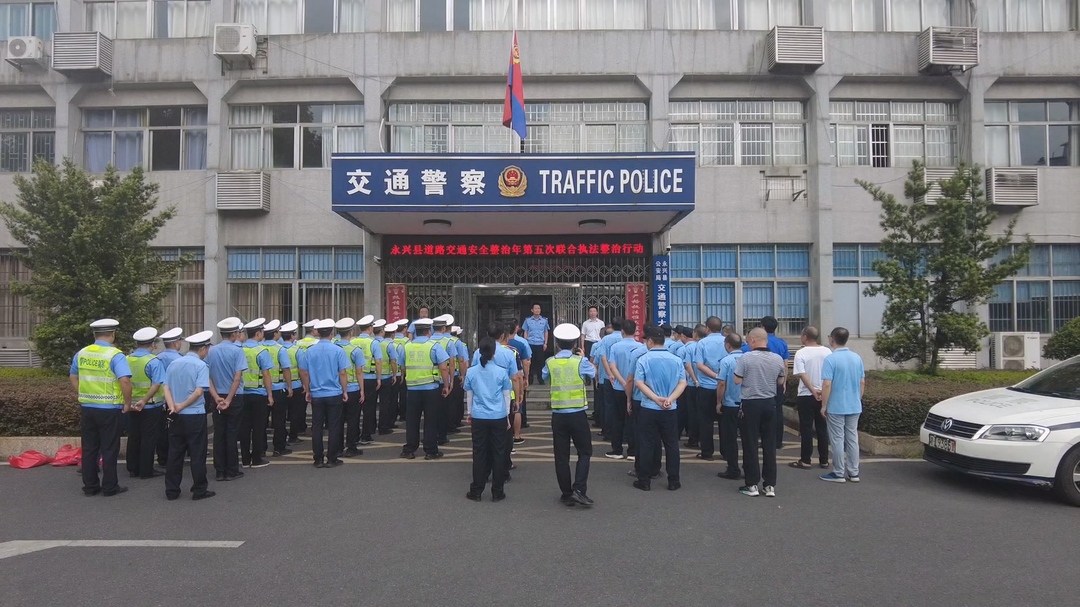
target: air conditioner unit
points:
(243, 191)
(26, 50)
(796, 48)
(1013, 187)
(76, 54)
(1015, 351)
(932, 177)
(235, 41)
(943, 49)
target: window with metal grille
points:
(16, 318)
(852, 272)
(26, 135)
(1032, 133)
(1044, 294)
(894, 133)
(291, 283)
(746, 132)
(183, 306)
(486, 15)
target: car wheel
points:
(1067, 487)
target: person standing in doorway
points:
(659, 378)
(185, 383)
(226, 398)
(591, 332)
(421, 313)
(326, 387)
(759, 372)
(568, 373)
(537, 332)
(487, 407)
(808, 363)
(843, 381)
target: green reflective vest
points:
(140, 381)
(350, 371)
(276, 375)
(294, 366)
(567, 386)
(514, 351)
(98, 385)
(364, 343)
(253, 375)
(307, 342)
(400, 343)
(419, 370)
(385, 345)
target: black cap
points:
(666, 327)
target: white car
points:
(1029, 433)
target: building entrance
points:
(506, 309)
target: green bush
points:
(896, 402)
(1065, 343)
(37, 404)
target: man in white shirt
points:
(591, 331)
(809, 361)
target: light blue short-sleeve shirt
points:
(624, 355)
(709, 351)
(661, 371)
(844, 369)
(487, 384)
(225, 360)
(536, 327)
(732, 390)
(183, 376)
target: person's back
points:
(779, 347)
(809, 360)
(624, 354)
(844, 369)
(487, 384)
(224, 360)
(759, 370)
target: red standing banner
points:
(635, 305)
(396, 303)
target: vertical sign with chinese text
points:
(661, 289)
(635, 305)
(396, 303)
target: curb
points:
(889, 446)
(14, 445)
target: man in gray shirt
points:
(759, 372)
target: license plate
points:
(940, 442)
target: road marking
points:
(17, 547)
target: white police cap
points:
(366, 321)
(255, 324)
(567, 332)
(455, 330)
(424, 322)
(379, 323)
(289, 327)
(231, 323)
(145, 334)
(447, 318)
(326, 323)
(345, 324)
(391, 328)
(311, 323)
(199, 339)
(272, 326)
(106, 324)
(404, 322)
(173, 334)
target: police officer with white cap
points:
(356, 388)
(297, 411)
(427, 376)
(461, 369)
(372, 371)
(568, 373)
(100, 373)
(400, 389)
(186, 382)
(281, 379)
(144, 419)
(385, 391)
(326, 387)
(258, 397)
(311, 335)
(226, 398)
(440, 332)
(171, 341)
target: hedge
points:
(34, 402)
(896, 402)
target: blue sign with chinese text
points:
(661, 289)
(661, 181)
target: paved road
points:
(401, 533)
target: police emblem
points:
(512, 182)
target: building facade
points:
(241, 146)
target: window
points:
(743, 133)
(294, 136)
(149, 18)
(1032, 133)
(296, 283)
(1025, 16)
(28, 19)
(732, 14)
(477, 15)
(741, 283)
(26, 135)
(851, 308)
(302, 16)
(890, 15)
(894, 133)
(1044, 294)
(16, 319)
(183, 306)
(176, 137)
(553, 127)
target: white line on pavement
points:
(17, 547)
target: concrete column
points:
(819, 192)
(374, 300)
(215, 290)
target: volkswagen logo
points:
(946, 425)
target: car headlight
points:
(1015, 433)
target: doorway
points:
(508, 308)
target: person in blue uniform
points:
(600, 352)
(427, 376)
(171, 341)
(144, 419)
(226, 397)
(688, 415)
(707, 357)
(326, 388)
(186, 381)
(421, 313)
(659, 379)
(361, 383)
(281, 377)
(487, 406)
(385, 385)
(728, 402)
(258, 397)
(568, 373)
(440, 332)
(620, 358)
(101, 375)
(537, 331)
(506, 358)
(297, 409)
(364, 423)
(461, 371)
(401, 338)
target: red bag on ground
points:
(68, 455)
(28, 459)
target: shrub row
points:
(37, 404)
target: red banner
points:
(396, 304)
(561, 249)
(635, 305)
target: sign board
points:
(661, 283)
(635, 305)
(396, 304)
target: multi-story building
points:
(784, 103)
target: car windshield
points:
(1061, 381)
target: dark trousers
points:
(623, 426)
(811, 424)
(759, 417)
(489, 449)
(644, 460)
(779, 421)
(297, 413)
(600, 406)
(567, 428)
(457, 403)
(422, 403)
(402, 391)
(100, 438)
(143, 430)
(369, 407)
(609, 406)
(588, 348)
(277, 419)
(253, 425)
(326, 415)
(687, 401)
(707, 417)
(353, 410)
(729, 437)
(163, 439)
(442, 418)
(226, 434)
(385, 398)
(536, 367)
(656, 428)
(521, 410)
(187, 436)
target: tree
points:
(938, 257)
(88, 251)
(1065, 343)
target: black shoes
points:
(498, 497)
(567, 500)
(707, 458)
(202, 496)
(366, 441)
(582, 499)
(385, 432)
(154, 474)
(353, 452)
(731, 475)
(320, 464)
(431, 456)
(444, 442)
(118, 491)
(643, 485)
(334, 463)
(91, 492)
(220, 477)
(473, 496)
(234, 477)
(674, 486)
(407, 455)
(692, 444)
(282, 452)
